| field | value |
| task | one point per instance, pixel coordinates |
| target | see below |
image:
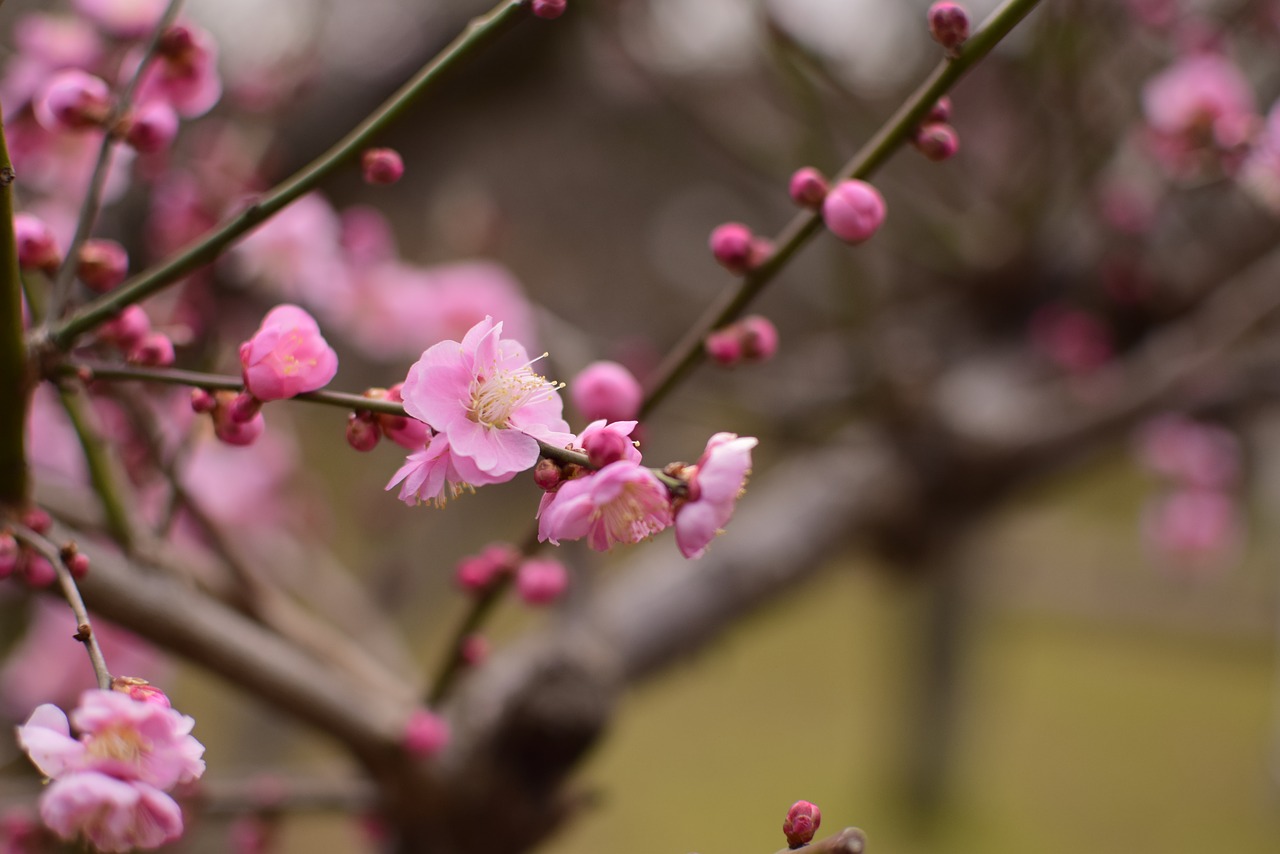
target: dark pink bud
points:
(235, 432)
(474, 650)
(78, 563)
(853, 211)
(606, 390)
(549, 10)
(949, 25)
(541, 581)
(127, 329)
(177, 43)
(244, 407)
(154, 350)
(479, 571)
(724, 346)
(937, 141)
(808, 188)
(37, 248)
(140, 690)
(9, 554)
(102, 264)
(801, 823)
(546, 474)
(37, 519)
(759, 338)
(37, 571)
(202, 401)
(362, 431)
(152, 127)
(72, 100)
(425, 734)
(604, 447)
(381, 165)
(731, 246)
(940, 112)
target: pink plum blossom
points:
(287, 356)
(1189, 452)
(114, 815)
(185, 72)
(617, 435)
(483, 396)
(436, 474)
(1202, 104)
(72, 100)
(1195, 528)
(541, 581)
(297, 255)
(425, 734)
(715, 484)
(853, 211)
(621, 503)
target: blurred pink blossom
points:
(1189, 452)
(296, 254)
(127, 19)
(113, 815)
(1195, 528)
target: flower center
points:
(629, 518)
(120, 742)
(497, 394)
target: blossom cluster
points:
(110, 782)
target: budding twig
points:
(15, 379)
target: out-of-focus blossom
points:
(184, 73)
(1202, 104)
(1194, 528)
(621, 503)
(425, 734)
(287, 356)
(853, 211)
(714, 485)
(126, 19)
(1074, 340)
(113, 815)
(1190, 453)
(297, 255)
(606, 390)
(541, 581)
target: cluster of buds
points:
(538, 581)
(130, 332)
(752, 339)
(935, 138)
(737, 249)
(949, 26)
(366, 428)
(30, 565)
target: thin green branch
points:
(478, 611)
(105, 472)
(477, 34)
(15, 370)
(98, 179)
(892, 135)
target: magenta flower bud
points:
(940, 111)
(363, 432)
(37, 519)
(949, 25)
(72, 100)
(549, 10)
(235, 432)
(202, 401)
(853, 211)
(801, 823)
(127, 329)
(155, 350)
(604, 447)
(102, 264)
(731, 246)
(546, 474)
(37, 248)
(937, 141)
(381, 165)
(724, 346)
(477, 572)
(606, 390)
(9, 554)
(808, 188)
(474, 650)
(425, 734)
(152, 127)
(542, 581)
(78, 564)
(141, 690)
(759, 338)
(243, 408)
(37, 571)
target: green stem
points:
(15, 370)
(897, 130)
(477, 614)
(477, 34)
(105, 472)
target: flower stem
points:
(477, 34)
(897, 130)
(104, 470)
(15, 370)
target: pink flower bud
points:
(808, 188)
(724, 346)
(546, 474)
(37, 247)
(381, 165)
(151, 127)
(155, 350)
(9, 554)
(474, 650)
(540, 582)
(37, 570)
(940, 111)
(202, 401)
(801, 823)
(140, 690)
(604, 447)
(362, 431)
(853, 211)
(72, 100)
(37, 519)
(477, 572)
(549, 10)
(235, 432)
(606, 390)
(102, 264)
(425, 734)
(759, 338)
(243, 407)
(127, 329)
(949, 25)
(287, 356)
(937, 141)
(78, 564)
(731, 246)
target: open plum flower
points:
(715, 484)
(621, 503)
(435, 474)
(287, 356)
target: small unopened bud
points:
(937, 141)
(202, 401)
(759, 338)
(72, 100)
(546, 474)
(37, 519)
(801, 823)
(724, 347)
(155, 350)
(808, 188)
(477, 572)
(37, 247)
(152, 127)
(75, 560)
(234, 432)
(474, 650)
(177, 43)
(363, 432)
(10, 552)
(731, 246)
(381, 165)
(549, 10)
(37, 571)
(140, 690)
(127, 329)
(949, 25)
(604, 447)
(102, 264)
(244, 407)
(940, 111)
(606, 390)
(542, 581)
(853, 211)
(425, 734)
